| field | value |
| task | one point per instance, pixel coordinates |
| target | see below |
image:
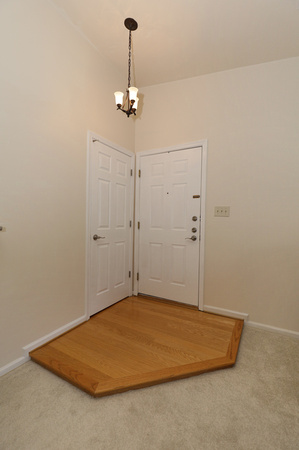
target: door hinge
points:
(137, 276)
(138, 225)
(129, 274)
(131, 172)
(139, 173)
(130, 223)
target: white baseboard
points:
(43, 340)
(28, 348)
(225, 312)
(13, 365)
(239, 315)
(262, 326)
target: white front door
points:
(110, 225)
(169, 234)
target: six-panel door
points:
(169, 211)
(109, 226)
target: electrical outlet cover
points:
(222, 211)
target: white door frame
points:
(204, 145)
(91, 137)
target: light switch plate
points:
(222, 211)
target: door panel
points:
(110, 216)
(120, 263)
(104, 195)
(179, 207)
(155, 260)
(120, 201)
(102, 268)
(168, 259)
(178, 264)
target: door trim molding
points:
(90, 136)
(204, 144)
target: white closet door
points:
(110, 232)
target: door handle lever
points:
(95, 237)
(192, 238)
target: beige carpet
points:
(253, 405)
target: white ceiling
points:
(179, 39)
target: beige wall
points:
(54, 87)
(250, 117)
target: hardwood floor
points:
(139, 342)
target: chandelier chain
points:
(129, 63)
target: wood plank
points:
(174, 344)
(138, 343)
(194, 329)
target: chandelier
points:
(130, 103)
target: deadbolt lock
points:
(194, 218)
(194, 230)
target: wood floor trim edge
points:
(235, 340)
(161, 376)
(69, 379)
